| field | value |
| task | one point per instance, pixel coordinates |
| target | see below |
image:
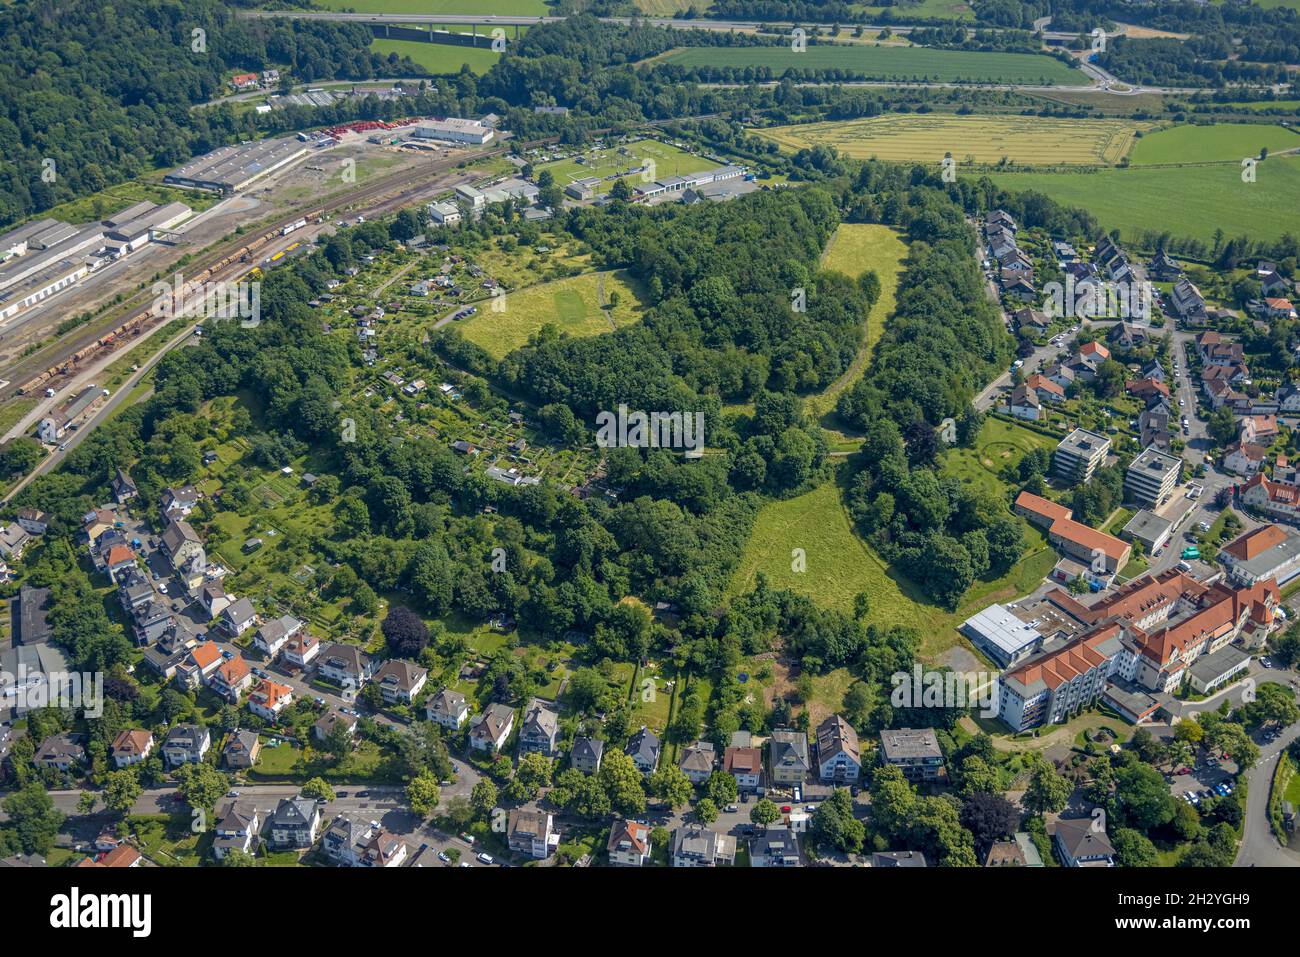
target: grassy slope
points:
(854, 249)
(438, 58)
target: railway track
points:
(228, 261)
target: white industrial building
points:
(453, 130)
(1002, 636)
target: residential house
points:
(531, 832)
(330, 720)
(346, 665)
(643, 748)
(838, 756)
(273, 635)
(185, 744)
(898, 859)
(400, 681)
(177, 503)
(213, 598)
(231, 679)
(63, 751)
(586, 754)
(300, 650)
(447, 708)
(241, 750)
(124, 488)
(915, 752)
(775, 846)
(789, 756)
(1020, 852)
(629, 844)
(268, 699)
(1024, 404)
(238, 823)
(198, 665)
(1244, 458)
(489, 731)
(1187, 302)
(540, 728)
(696, 846)
(354, 841)
(1081, 843)
(238, 617)
(697, 761)
(295, 822)
(183, 549)
(745, 764)
(34, 521)
(130, 747)
(1045, 388)
(13, 541)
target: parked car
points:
(485, 858)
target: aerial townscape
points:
(494, 434)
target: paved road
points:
(1259, 848)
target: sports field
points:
(1038, 141)
(439, 58)
(572, 305)
(642, 160)
(888, 63)
(1217, 143)
(1190, 201)
(500, 8)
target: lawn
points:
(439, 58)
(1217, 143)
(1207, 198)
(854, 249)
(642, 160)
(926, 138)
(887, 63)
(1000, 445)
(579, 306)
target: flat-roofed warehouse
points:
(232, 168)
(454, 130)
(1001, 635)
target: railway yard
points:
(262, 218)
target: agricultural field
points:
(1205, 198)
(666, 8)
(439, 58)
(1218, 143)
(889, 63)
(854, 249)
(500, 8)
(639, 161)
(585, 305)
(932, 9)
(1260, 106)
(1036, 141)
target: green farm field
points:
(1189, 201)
(439, 58)
(1218, 143)
(888, 63)
(970, 139)
(500, 8)
(607, 163)
(572, 305)
(931, 9)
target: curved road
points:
(1259, 848)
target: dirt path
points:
(600, 297)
